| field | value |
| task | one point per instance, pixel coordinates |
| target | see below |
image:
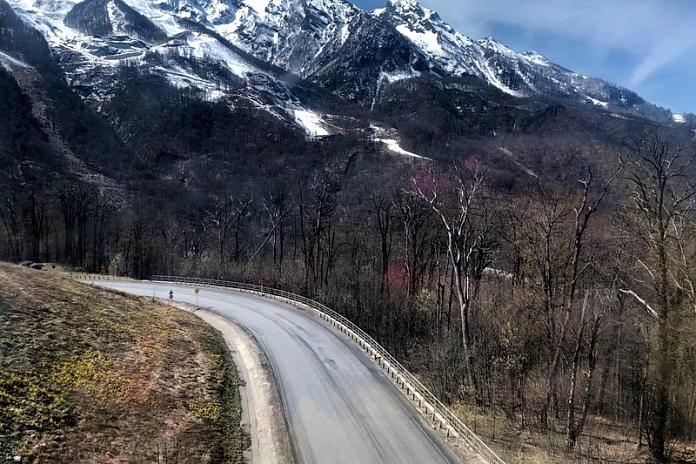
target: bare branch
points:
(640, 300)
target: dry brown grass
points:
(88, 375)
(602, 442)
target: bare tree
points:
(10, 216)
(662, 219)
(242, 211)
(277, 209)
(35, 214)
(416, 218)
(469, 244)
(318, 245)
(599, 303)
(583, 213)
(226, 217)
(103, 210)
(383, 213)
(76, 203)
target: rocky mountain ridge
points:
(261, 50)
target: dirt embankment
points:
(87, 375)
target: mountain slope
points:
(95, 39)
(58, 127)
(523, 75)
(172, 78)
(215, 45)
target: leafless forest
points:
(556, 306)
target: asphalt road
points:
(340, 408)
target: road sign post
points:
(197, 291)
(171, 296)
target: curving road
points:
(340, 408)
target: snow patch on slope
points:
(117, 19)
(535, 58)
(182, 79)
(311, 122)
(398, 76)
(9, 63)
(259, 6)
(678, 118)
(207, 47)
(598, 102)
(164, 20)
(385, 137)
(393, 145)
(427, 40)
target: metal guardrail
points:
(87, 276)
(387, 359)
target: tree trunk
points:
(661, 410)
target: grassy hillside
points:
(88, 375)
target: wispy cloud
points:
(657, 33)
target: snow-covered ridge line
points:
(190, 57)
(517, 74)
(313, 39)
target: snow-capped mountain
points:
(518, 74)
(274, 53)
(291, 34)
(95, 40)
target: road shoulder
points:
(262, 412)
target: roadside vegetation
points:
(88, 375)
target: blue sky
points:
(648, 46)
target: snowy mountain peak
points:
(211, 45)
(517, 74)
(492, 45)
(403, 4)
(535, 57)
(290, 34)
(410, 10)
